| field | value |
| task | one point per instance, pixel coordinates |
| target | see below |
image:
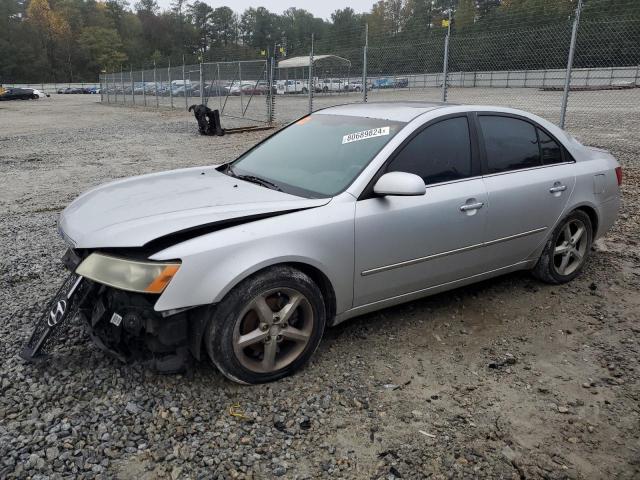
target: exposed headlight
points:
(131, 275)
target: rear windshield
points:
(319, 155)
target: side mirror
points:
(400, 183)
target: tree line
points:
(74, 40)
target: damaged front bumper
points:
(123, 324)
(126, 326)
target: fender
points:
(214, 263)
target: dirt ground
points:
(509, 378)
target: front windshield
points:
(319, 155)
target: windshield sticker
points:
(357, 136)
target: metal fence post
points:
(106, 81)
(144, 90)
(133, 89)
(572, 50)
(240, 86)
(184, 85)
(115, 88)
(445, 64)
(155, 85)
(364, 62)
(310, 82)
(272, 97)
(170, 85)
(101, 78)
(201, 85)
(124, 96)
(218, 85)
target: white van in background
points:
(291, 86)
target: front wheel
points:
(267, 327)
(567, 249)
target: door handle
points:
(471, 206)
(557, 188)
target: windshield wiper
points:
(252, 179)
(259, 181)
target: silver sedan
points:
(348, 210)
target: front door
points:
(406, 244)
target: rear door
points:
(529, 178)
(407, 244)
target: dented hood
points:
(134, 211)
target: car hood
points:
(134, 211)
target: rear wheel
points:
(567, 249)
(267, 327)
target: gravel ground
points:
(509, 378)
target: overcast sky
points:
(322, 9)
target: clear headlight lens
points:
(131, 275)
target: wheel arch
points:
(593, 216)
(203, 315)
(587, 208)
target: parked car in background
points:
(326, 85)
(95, 90)
(39, 93)
(382, 82)
(18, 94)
(291, 86)
(401, 82)
(354, 86)
(216, 88)
(390, 82)
(253, 88)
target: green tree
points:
(104, 47)
(465, 13)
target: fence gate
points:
(240, 90)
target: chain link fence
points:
(566, 70)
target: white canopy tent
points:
(297, 62)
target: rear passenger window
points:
(440, 153)
(511, 144)
(551, 151)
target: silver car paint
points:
(371, 257)
(136, 210)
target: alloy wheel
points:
(570, 247)
(273, 330)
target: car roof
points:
(394, 111)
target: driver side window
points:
(439, 153)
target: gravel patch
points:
(509, 378)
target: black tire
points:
(225, 320)
(325, 89)
(304, 90)
(547, 268)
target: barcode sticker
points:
(116, 319)
(357, 136)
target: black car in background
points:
(18, 94)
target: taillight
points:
(619, 175)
